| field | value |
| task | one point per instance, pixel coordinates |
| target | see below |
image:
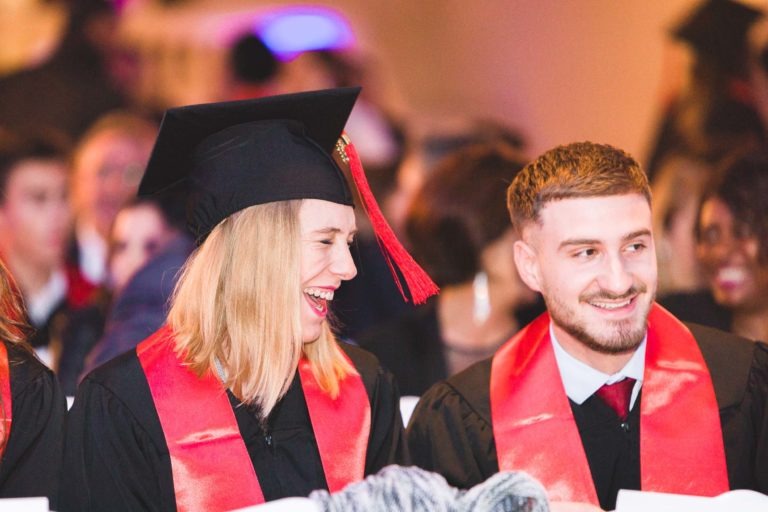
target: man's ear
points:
(527, 264)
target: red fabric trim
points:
(212, 470)
(535, 431)
(211, 467)
(343, 456)
(400, 262)
(80, 291)
(5, 394)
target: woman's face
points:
(139, 233)
(728, 253)
(327, 230)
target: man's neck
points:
(29, 277)
(601, 361)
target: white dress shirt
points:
(582, 381)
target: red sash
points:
(5, 394)
(211, 468)
(681, 442)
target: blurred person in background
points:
(142, 231)
(717, 111)
(76, 84)
(253, 69)
(732, 250)
(458, 229)
(32, 408)
(425, 148)
(35, 223)
(677, 188)
(108, 164)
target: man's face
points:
(107, 173)
(594, 262)
(35, 213)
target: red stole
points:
(211, 468)
(681, 442)
(5, 394)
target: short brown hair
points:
(581, 169)
(460, 211)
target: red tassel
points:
(418, 282)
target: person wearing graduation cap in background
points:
(718, 110)
(244, 396)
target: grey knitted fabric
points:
(411, 489)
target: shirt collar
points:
(92, 250)
(581, 380)
(44, 302)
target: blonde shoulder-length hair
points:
(238, 301)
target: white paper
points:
(24, 505)
(283, 505)
(739, 500)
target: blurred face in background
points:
(108, 169)
(729, 253)
(139, 233)
(35, 213)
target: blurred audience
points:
(35, 221)
(75, 85)
(732, 248)
(459, 230)
(717, 111)
(109, 162)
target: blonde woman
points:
(32, 408)
(244, 396)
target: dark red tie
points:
(617, 396)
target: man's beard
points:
(622, 336)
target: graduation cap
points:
(231, 155)
(717, 29)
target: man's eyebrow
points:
(577, 241)
(593, 241)
(637, 234)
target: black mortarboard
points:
(717, 29)
(237, 154)
(231, 155)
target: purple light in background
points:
(288, 32)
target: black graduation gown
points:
(412, 347)
(116, 457)
(451, 433)
(32, 459)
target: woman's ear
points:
(527, 263)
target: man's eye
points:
(638, 246)
(585, 253)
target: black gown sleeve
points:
(386, 443)
(32, 459)
(450, 431)
(758, 390)
(115, 458)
